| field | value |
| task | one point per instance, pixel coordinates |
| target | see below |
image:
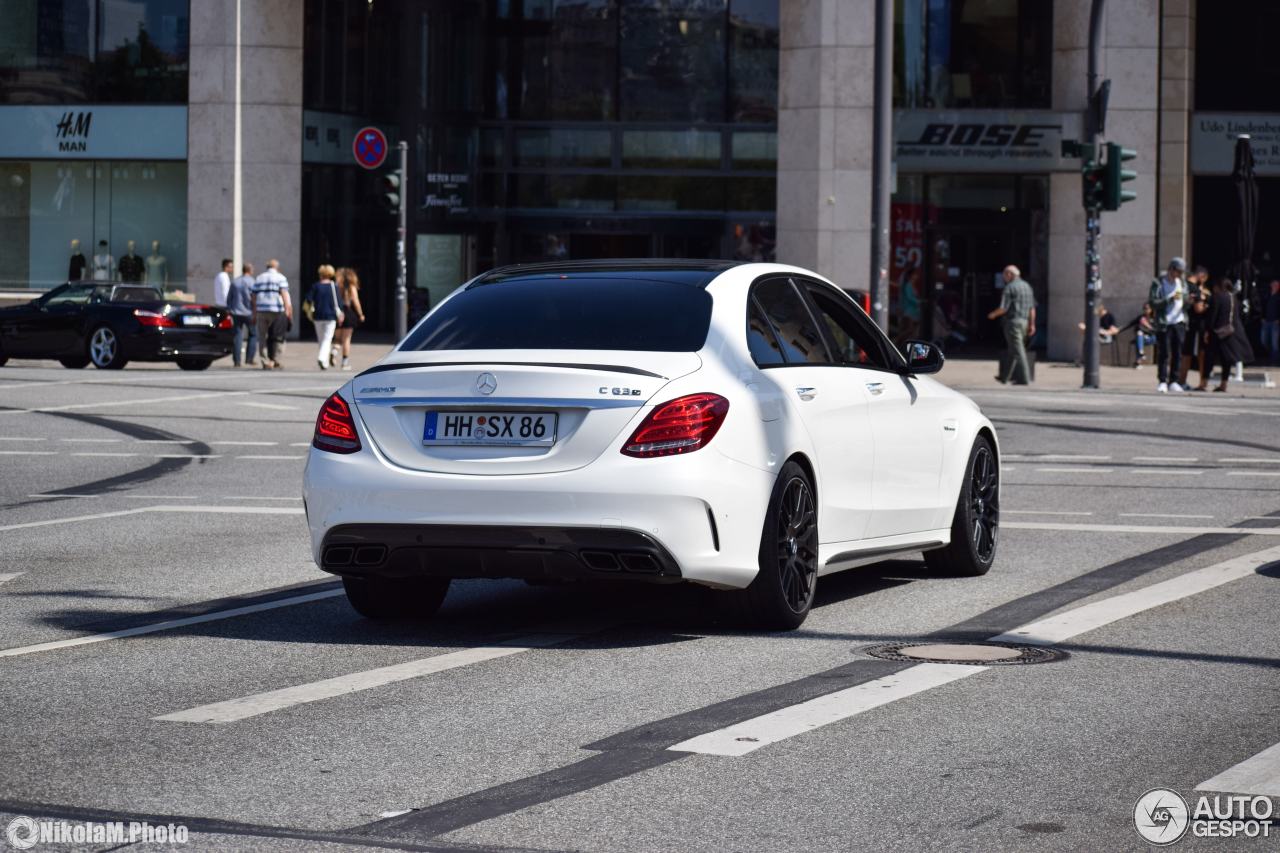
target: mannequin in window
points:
(157, 266)
(75, 272)
(103, 264)
(130, 266)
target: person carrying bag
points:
(326, 312)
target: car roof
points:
(697, 273)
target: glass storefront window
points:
(94, 51)
(563, 147)
(555, 60)
(672, 56)
(958, 54)
(758, 194)
(755, 151)
(671, 149)
(753, 61)
(571, 192)
(670, 193)
(105, 219)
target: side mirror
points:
(922, 357)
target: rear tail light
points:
(680, 426)
(225, 322)
(151, 318)
(335, 428)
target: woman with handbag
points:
(1227, 340)
(326, 312)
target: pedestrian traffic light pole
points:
(402, 272)
(1095, 119)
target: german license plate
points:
(511, 429)
(197, 320)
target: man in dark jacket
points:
(240, 305)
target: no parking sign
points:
(370, 147)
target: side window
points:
(76, 295)
(855, 339)
(760, 338)
(801, 341)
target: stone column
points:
(1177, 82)
(270, 94)
(825, 94)
(1131, 60)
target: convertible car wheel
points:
(780, 596)
(74, 363)
(396, 598)
(104, 349)
(975, 528)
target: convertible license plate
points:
(197, 320)
(495, 428)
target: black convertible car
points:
(108, 325)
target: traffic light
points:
(1113, 194)
(1093, 175)
(390, 196)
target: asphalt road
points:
(169, 652)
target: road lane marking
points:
(750, 735)
(300, 444)
(1158, 515)
(277, 456)
(1239, 460)
(247, 443)
(10, 576)
(102, 453)
(165, 441)
(186, 456)
(274, 700)
(276, 406)
(161, 497)
(1138, 528)
(1068, 457)
(93, 440)
(1166, 471)
(28, 452)
(1040, 512)
(171, 399)
(248, 510)
(1165, 459)
(64, 495)
(258, 498)
(169, 624)
(20, 438)
(1076, 470)
(1253, 473)
(1257, 775)
(1066, 417)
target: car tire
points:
(104, 349)
(75, 362)
(782, 593)
(396, 598)
(194, 363)
(975, 528)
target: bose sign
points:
(983, 141)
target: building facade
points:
(180, 133)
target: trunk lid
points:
(593, 395)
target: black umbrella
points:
(1246, 184)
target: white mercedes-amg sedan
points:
(741, 426)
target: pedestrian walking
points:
(240, 305)
(272, 312)
(1195, 349)
(326, 313)
(353, 313)
(1017, 315)
(1167, 298)
(1228, 340)
(1271, 324)
(222, 283)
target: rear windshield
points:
(557, 312)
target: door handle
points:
(876, 388)
(807, 393)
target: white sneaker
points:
(346, 364)
(1162, 388)
(1175, 388)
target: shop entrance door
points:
(963, 265)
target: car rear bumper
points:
(486, 551)
(698, 517)
(166, 344)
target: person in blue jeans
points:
(240, 306)
(1271, 324)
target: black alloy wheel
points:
(975, 529)
(780, 596)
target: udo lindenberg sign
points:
(1213, 142)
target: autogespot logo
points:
(22, 833)
(1161, 816)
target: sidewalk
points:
(300, 355)
(1062, 376)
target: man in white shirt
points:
(222, 283)
(272, 312)
(1166, 299)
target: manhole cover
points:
(977, 654)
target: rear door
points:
(826, 398)
(907, 427)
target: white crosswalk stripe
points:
(1257, 775)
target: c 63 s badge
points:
(620, 392)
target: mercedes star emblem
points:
(486, 383)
